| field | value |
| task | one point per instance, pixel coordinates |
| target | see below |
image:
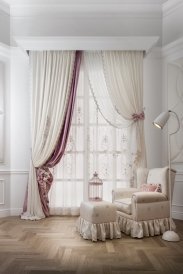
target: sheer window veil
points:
(93, 66)
(123, 72)
(116, 81)
(51, 73)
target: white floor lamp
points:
(160, 122)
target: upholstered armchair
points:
(145, 213)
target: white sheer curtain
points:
(94, 69)
(123, 71)
(51, 73)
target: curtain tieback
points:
(44, 178)
(138, 116)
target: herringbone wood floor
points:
(53, 246)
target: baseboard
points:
(16, 211)
(4, 213)
(10, 212)
(177, 215)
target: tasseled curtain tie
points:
(138, 116)
(44, 179)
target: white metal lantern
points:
(95, 188)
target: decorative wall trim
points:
(4, 7)
(177, 205)
(177, 215)
(16, 211)
(10, 212)
(144, 8)
(5, 51)
(4, 213)
(2, 110)
(179, 177)
(155, 53)
(171, 6)
(2, 190)
(179, 172)
(14, 172)
(177, 211)
(87, 43)
(5, 54)
(173, 48)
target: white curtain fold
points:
(123, 72)
(51, 73)
(93, 65)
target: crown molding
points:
(103, 12)
(155, 53)
(171, 6)
(5, 50)
(87, 43)
(4, 7)
(171, 50)
(81, 2)
(139, 8)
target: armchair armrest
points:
(120, 193)
(148, 197)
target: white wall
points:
(171, 100)
(20, 128)
(172, 94)
(16, 111)
(153, 106)
(4, 23)
(5, 176)
(172, 21)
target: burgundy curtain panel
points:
(44, 176)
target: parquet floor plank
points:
(53, 246)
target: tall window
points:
(93, 145)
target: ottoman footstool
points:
(97, 221)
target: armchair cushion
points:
(121, 193)
(124, 205)
(148, 197)
(151, 187)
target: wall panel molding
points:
(2, 192)
(13, 172)
(2, 110)
(5, 53)
(177, 214)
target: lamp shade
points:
(161, 120)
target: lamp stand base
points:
(171, 236)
